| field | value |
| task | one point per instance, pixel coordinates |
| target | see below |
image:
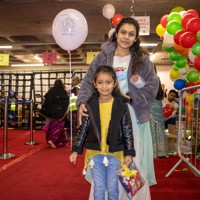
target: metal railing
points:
(188, 145)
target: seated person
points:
(170, 101)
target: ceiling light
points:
(148, 44)
(5, 47)
(38, 58)
(27, 65)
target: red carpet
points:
(38, 172)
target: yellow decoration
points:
(90, 56)
(4, 59)
(128, 173)
(174, 74)
(190, 98)
(177, 9)
(160, 30)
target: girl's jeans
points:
(105, 178)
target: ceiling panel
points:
(27, 26)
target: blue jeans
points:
(105, 178)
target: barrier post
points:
(5, 155)
(31, 142)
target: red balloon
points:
(177, 36)
(186, 19)
(188, 39)
(116, 19)
(189, 85)
(197, 63)
(167, 111)
(193, 25)
(191, 12)
(163, 21)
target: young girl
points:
(106, 133)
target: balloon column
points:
(180, 32)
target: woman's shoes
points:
(51, 144)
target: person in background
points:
(54, 110)
(165, 90)
(107, 145)
(137, 81)
(76, 81)
(170, 101)
(157, 124)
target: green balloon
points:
(168, 49)
(181, 62)
(196, 49)
(198, 36)
(173, 55)
(175, 68)
(173, 26)
(192, 76)
(174, 16)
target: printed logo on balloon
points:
(69, 29)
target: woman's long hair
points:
(135, 50)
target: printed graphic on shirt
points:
(120, 66)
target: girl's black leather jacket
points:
(120, 132)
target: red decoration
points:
(192, 12)
(187, 39)
(197, 63)
(167, 111)
(163, 20)
(189, 85)
(116, 19)
(177, 36)
(186, 19)
(49, 57)
(193, 25)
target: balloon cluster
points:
(180, 32)
(109, 13)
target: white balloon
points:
(111, 32)
(182, 13)
(168, 40)
(69, 29)
(191, 56)
(108, 11)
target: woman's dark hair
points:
(109, 70)
(59, 83)
(135, 50)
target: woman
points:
(137, 80)
(54, 110)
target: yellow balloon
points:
(174, 74)
(190, 98)
(160, 30)
(177, 9)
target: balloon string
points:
(70, 78)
